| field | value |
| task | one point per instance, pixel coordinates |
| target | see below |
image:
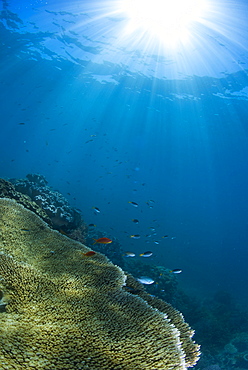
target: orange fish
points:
(89, 253)
(102, 241)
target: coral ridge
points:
(67, 311)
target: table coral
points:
(68, 311)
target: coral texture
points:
(68, 311)
(7, 190)
(176, 318)
(50, 205)
(61, 214)
(166, 282)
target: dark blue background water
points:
(128, 136)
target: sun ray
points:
(169, 21)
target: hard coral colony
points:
(68, 312)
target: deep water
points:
(105, 130)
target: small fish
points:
(129, 254)
(102, 241)
(137, 236)
(176, 271)
(25, 230)
(21, 123)
(134, 204)
(165, 236)
(145, 280)
(89, 253)
(156, 242)
(97, 210)
(146, 254)
(135, 220)
(92, 225)
(150, 202)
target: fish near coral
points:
(176, 271)
(71, 313)
(146, 254)
(145, 280)
(102, 241)
(129, 254)
(89, 254)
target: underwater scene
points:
(124, 185)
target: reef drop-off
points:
(64, 310)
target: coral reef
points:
(173, 315)
(223, 320)
(165, 286)
(7, 190)
(55, 210)
(111, 250)
(221, 325)
(68, 311)
(61, 214)
(50, 205)
(235, 353)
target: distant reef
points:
(34, 193)
(62, 216)
(62, 309)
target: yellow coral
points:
(68, 311)
(191, 349)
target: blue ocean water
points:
(110, 118)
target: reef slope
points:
(68, 311)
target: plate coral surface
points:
(65, 310)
